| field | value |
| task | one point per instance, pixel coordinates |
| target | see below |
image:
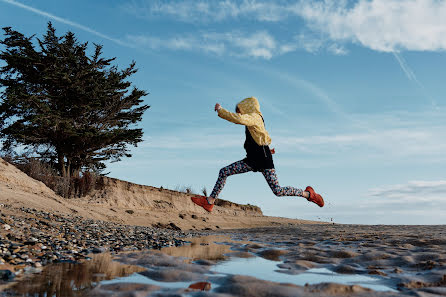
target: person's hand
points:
(217, 107)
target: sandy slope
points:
(128, 203)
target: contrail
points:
(411, 76)
(65, 21)
(409, 73)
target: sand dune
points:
(124, 202)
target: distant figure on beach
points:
(258, 155)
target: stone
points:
(6, 275)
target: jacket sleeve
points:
(237, 118)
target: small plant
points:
(188, 190)
(184, 189)
(204, 191)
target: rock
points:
(97, 250)
(377, 272)
(6, 227)
(6, 275)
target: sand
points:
(132, 204)
(404, 260)
(409, 259)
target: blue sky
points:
(352, 93)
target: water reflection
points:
(175, 269)
(211, 248)
(267, 270)
(71, 280)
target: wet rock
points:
(345, 269)
(123, 290)
(336, 289)
(272, 254)
(254, 246)
(97, 250)
(343, 254)
(245, 286)
(377, 272)
(6, 275)
(172, 275)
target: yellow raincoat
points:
(249, 116)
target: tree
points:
(74, 110)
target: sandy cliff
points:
(128, 203)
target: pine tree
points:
(74, 110)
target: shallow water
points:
(268, 270)
(69, 279)
(223, 257)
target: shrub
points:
(67, 187)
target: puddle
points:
(268, 270)
(228, 261)
(175, 268)
(68, 279)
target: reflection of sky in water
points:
(141, 279)
(267, 270)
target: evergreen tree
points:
(74, 110)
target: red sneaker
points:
(203, 202)
(315, 197)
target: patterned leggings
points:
(241, 167)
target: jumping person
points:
(258, 155)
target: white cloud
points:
(386, 145)
(256, 45)
(413, 192)
(212, 11)
(381, 25)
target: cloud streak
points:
(259, 44)
(65, 21)
(212, 11)
(413, 192)
(381, 25)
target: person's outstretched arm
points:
(237, 118)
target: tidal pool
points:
(208, 259)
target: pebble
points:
(41, 238)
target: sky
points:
(352, 93)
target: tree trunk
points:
(61, 161)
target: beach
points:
(305, 260)
(134, 240)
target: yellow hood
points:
(249, 116)
(249, 105)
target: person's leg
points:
(235, 168)
(273, 182)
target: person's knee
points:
(277, 191)
(223, 172)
